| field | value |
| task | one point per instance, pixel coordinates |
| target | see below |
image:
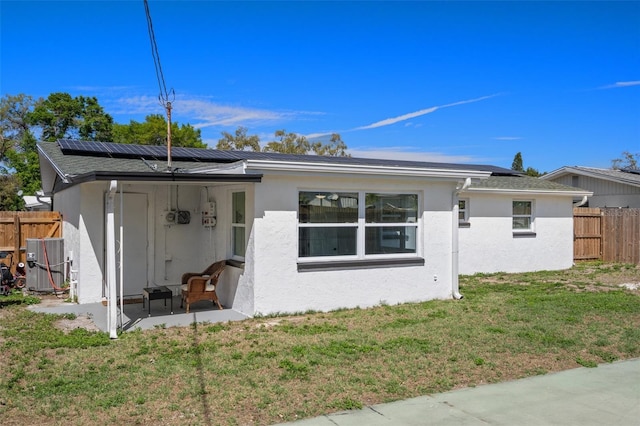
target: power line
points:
(164, 93)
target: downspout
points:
(581, 202)
(455, 285)
(121, 259)
(111, 263)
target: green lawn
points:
(271, 370)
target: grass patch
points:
(507, 326)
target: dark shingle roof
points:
(81, 155)
(520, 183)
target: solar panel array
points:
(149, 152)
(158, 153)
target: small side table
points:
(155, 293)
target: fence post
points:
(16, 239)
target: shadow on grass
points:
(202, 391)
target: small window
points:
(522, 216)
(238, 235)
(463, 211)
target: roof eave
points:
(290, 166)
(512, 191)
(166, 177)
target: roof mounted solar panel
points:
(632, 171)
(148, 152)
(205, 155)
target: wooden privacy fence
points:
(16, 227)
(608, 234)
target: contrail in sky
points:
(389, 121)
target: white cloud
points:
(394, 120)
(621, 84)
(203, 113)
(507, 138)
(397, 153)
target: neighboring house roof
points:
(37, 202)
(624, 176)
(524, 185)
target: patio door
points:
(134, 244)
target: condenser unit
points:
(45, 264)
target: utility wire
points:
(164, 93)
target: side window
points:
(463, 210)
(238, 234)
(522, 215)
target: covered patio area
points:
(135, 316)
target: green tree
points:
(19, 168)
(153, 131)
(61, 116)
(627, 161)
(9, 198)
(288, 143)
(335, 148)
(239, 141)
(517, 163)
(14, 123)
(533, 172)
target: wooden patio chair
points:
(198, 286)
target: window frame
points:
(523, 231)
(361, 226)
(238, 225)
(464, 221)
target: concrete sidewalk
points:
(606, 395)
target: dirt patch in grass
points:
(81, 321)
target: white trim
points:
(528, 192)
(295, 166)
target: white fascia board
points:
(291, 166)
(237, 167)
(527, 192)
(46, 180)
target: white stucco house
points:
(299, 232)
(610, 187)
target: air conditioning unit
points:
(45, 264)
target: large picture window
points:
(356, 224)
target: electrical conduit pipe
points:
(111, 262)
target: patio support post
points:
(455, 285)
(111, 263)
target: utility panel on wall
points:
(209, 214)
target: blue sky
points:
(466, 82)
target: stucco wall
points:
(489, 244)
(279, 287)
